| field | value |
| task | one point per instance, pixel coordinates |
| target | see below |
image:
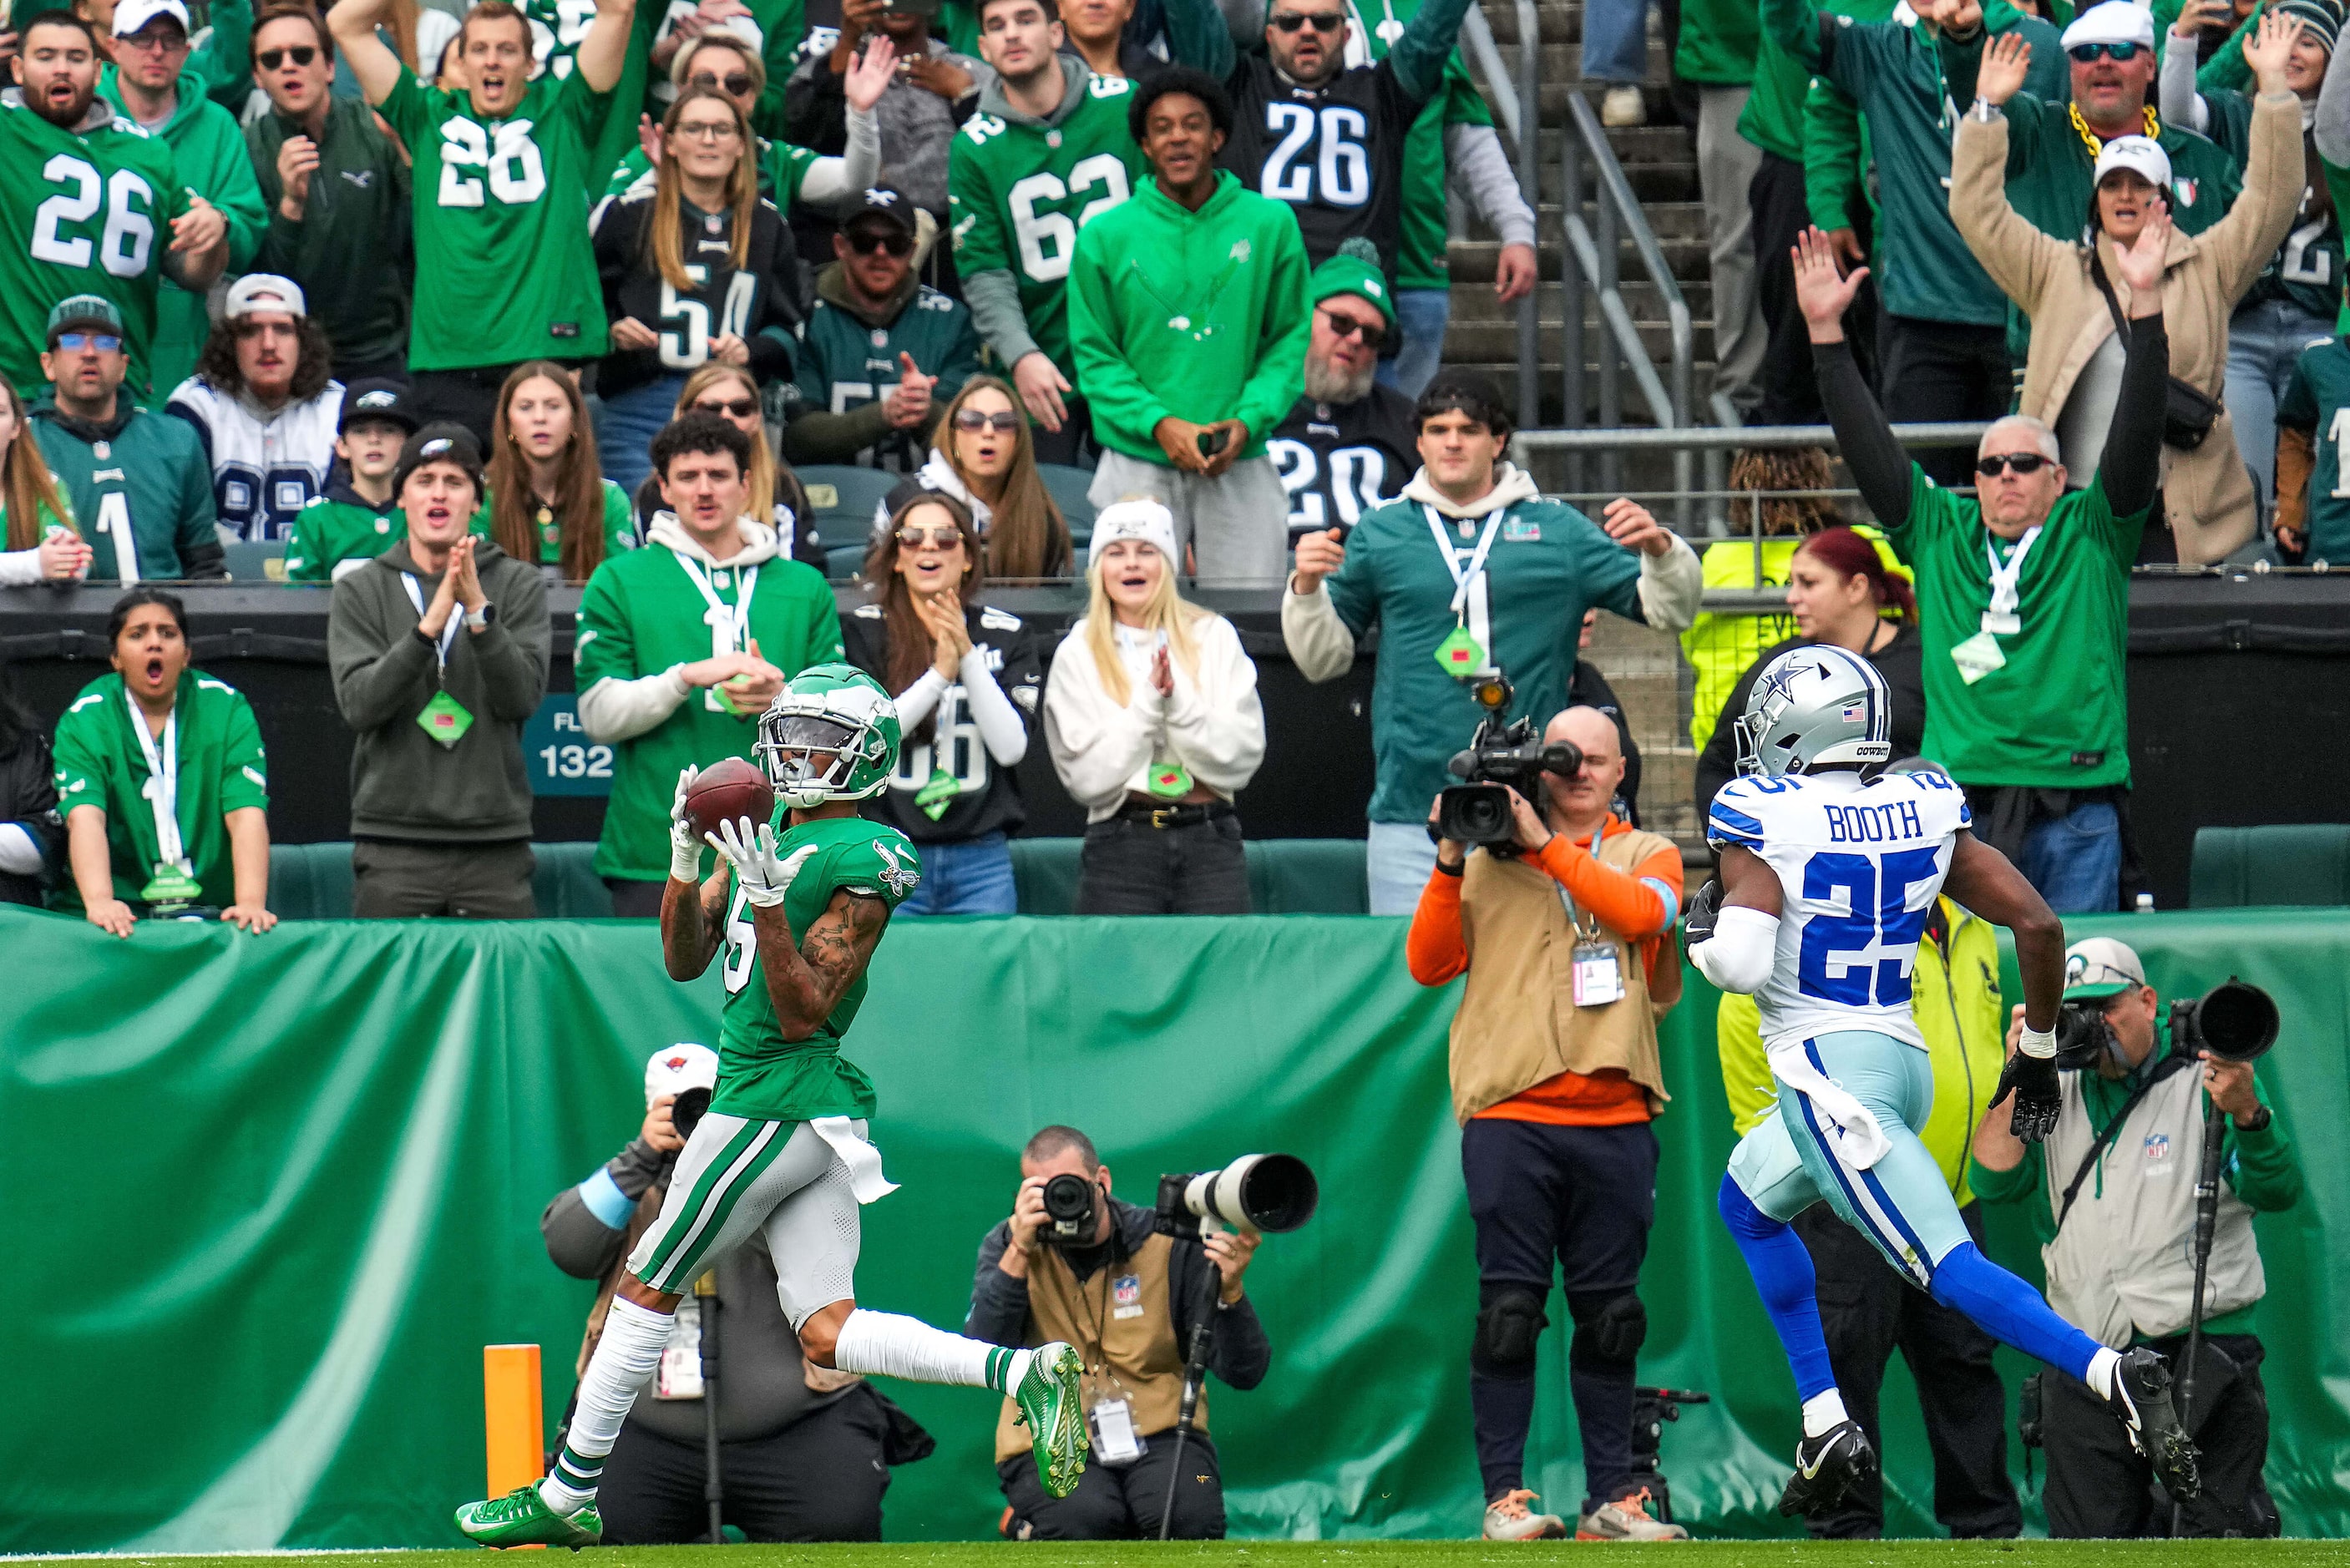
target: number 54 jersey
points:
(1859, 866)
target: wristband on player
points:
(684, 861)
(2040, 1042)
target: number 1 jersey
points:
(1859, 866)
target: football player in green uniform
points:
(2312, 486)
(782, 1148)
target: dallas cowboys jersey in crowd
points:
(1334, 153)
(265, 466)
(1338, 461)
(1858, 866)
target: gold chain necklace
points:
(2089, 137)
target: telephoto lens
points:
(1069, 1204)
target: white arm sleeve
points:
(829, 180)
(1481, 171)
(20, 855)
(20, 569)
(1745, 944)
(919, 701)
(2180, 101)
(998, 721)
(1671, 585)
(613, 711)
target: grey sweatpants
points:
(1237, 523)
(734, 1177)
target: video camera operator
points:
(2118, 1228)
(1556, 1077)
(804, 1452)
(1127, 1297)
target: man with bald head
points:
(1556, 1078)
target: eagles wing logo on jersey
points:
(897, 875)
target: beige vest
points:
(1518, 1024)
(1139, 1347)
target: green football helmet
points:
(830, 735)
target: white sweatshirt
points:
(1213, 725)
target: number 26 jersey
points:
(1859, 866)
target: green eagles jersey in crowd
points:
(641, 614)
(89, 213)
(1549, 563)
(762, 1075)
(336, 527)
(2317, 401)
(220, 768)
(146, 481)
(844, 364)
(2308, 269)
(487, 194)
(2054, 712)
(1017, 195)
(619, 526)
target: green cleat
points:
(1049, 1407)
(522, 1518)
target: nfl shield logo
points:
(1127, 1291)
(2158, 1146)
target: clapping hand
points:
(64, 555)
(1822, 293)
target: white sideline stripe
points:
(1889, 1235)
(718, 1194)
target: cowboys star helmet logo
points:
(897, 875)
(1779, 685)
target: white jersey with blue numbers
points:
(267, 464)
(1859, 866)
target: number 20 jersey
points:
(1859, 866)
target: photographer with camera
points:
(1074, 1264)
(1556, 1077)
(803, 1451)
(2119, 1210)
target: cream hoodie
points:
(1213, 724)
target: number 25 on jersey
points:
(1864, 956)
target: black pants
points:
(1868, 1312)
(1791, 395)
(819, 1479)
(1129, 867)
(1580, 1200)
(2099, 1486)
(467, 881)
(635, 900)
(1121, 1502)
(1945, 370)
(391, 369)
(1072, 445)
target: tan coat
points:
(2207, 493)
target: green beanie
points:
(1352, 271)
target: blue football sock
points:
(2009, 1311)
(1783, 1275)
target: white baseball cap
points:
(1140, 518)
(2141, 155)
(2115, 22)
(2098, 967)
(133, 14)
(682, 1066)
(263, 291)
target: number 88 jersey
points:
(1860, 865)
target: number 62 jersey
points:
(1859, 866)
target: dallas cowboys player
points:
(1829, 868)
(781, 1148)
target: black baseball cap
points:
(377, 399)
(439, 443)
(883, 202)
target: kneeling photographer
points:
(801, 1452)
(1075, 1263)
(1558, 917)
(2142, 1250)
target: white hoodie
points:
(1213, 724)
(613, 710)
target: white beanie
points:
(682, 1066)
(1142, 518)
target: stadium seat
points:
(2285, 864)
(251, 561)
(1068, 487)
(844, 497)
(310, 881)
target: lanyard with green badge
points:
(1459, 655)
(1979, 655)
(176, 880)
(444, 718)
(730, 625)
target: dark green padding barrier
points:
(277, 1192)
(2292, 864)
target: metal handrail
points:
(1703, 438)
(1530, 187)
(1592, 255)
(1477, 38)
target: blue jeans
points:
(2075, 860)
(2264, 342)
(969, 878)
(1398, 862)
(1421, 316)
(624, 435)
(1615, 41)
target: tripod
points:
(1195, 1373)
(2206, 1221)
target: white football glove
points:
(750, 849)
(684, 847)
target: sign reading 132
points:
(125, 241)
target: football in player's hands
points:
(2039, 1095)
(726, 791)
(1704, 909)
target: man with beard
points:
(88, 205)
(1350, 444)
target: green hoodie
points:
(138, 474)
(210, 154)
(1199, 316)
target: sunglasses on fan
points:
(735, 83)
(300, 54)
(740, 407)
(1328, 23)
(2018, 462)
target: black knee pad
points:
(1608, 1329)
(1507, 1328)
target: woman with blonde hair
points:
(1154, 724)
(985, 457)
(966, 677)
(42, 545)
(547, 500)
(777, 496)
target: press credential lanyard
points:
(162, 786)
(1461, 654)
(448, 633)
(729, 625)
(1597, 977)
(2000, 618)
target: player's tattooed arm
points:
(805, 982)
(693, 924)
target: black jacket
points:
(1900, 661)
(28, 799)
(760, 303)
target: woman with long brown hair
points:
(548, 499)
(777, 498)
(985, 457)
(42, 545)
(966, 677)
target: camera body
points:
(1261, 1192)
(1069, 1206)
(1499, 758)
(685, 1112)
(2233, 1021)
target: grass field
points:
(1376, 1553)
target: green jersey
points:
(619, 525)
(847, 360)
(81, 213)
(2317, 401)
(502, 240)
(336, 527)
(138, 488)
(782, 169)
(1017, 195)
(2307, 268)
(760, 1074)
(214, 755)
(2046, 704)
(645, 612)
(1547, 564)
